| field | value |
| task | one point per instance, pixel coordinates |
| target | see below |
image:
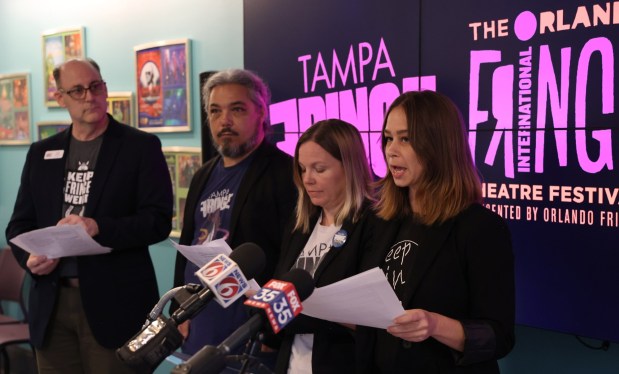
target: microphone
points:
(226, 281)
(279, 302)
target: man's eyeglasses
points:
(79, 92)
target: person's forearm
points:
(449, 332)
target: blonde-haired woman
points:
(328, 234)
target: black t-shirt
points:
(398, 261)
(212, 216)
(79, 173)
(398, 265)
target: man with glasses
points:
(112, 180)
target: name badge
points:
(339, 238)
(53, 155)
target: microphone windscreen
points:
(302, 281)
(250, 258)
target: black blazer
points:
(265, 200)
(464, 270)
(333, 350)
(131, 201)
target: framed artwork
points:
(120, 106)
(45, 129)
(15, 109)
(182, 162)
(163, 86)
(59, 46)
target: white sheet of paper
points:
(59, 241)
(201, 254)
(364, 299)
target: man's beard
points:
(230, 150)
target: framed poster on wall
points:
(120, 106)
(182, 162)
(14, 109)
(163, 86)
(59, 46)
(45, 129)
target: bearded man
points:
(244, 194)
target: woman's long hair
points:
(449, 181)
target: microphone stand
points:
(208, 353)
(217, 361)
(249, 356)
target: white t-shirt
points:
(317, 246)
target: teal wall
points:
(113, 28)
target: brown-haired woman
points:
(449, 260)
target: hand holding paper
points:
(41, 265)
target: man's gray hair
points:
(259, 92)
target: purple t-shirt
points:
(212, 221)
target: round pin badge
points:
(340, 238)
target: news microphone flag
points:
(225, 279)
(280, 302)
(222, 276)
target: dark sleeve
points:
(282, 199)
(489, 333)
(24, 217)
(286, 197)
(151, 220)
(345, 266)
(380, 237)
